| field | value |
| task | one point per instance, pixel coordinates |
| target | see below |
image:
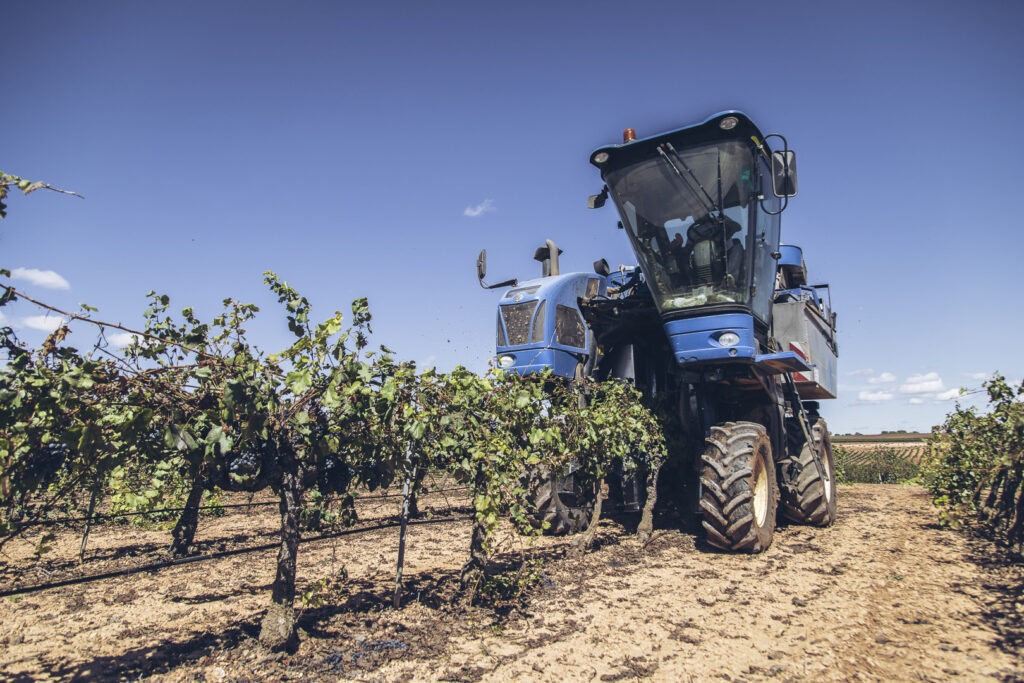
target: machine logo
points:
(517, 298)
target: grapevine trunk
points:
(184, 532)
(278, 631)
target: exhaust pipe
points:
(548, 257)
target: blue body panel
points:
(530, 360)
(783, 361)
(791, 255)
(548, 353)
(695, 340)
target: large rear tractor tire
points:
(565, 503)
(739, 495)
(809, 496)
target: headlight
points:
(729, 339)
(506, 361)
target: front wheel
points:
(564, 503)
(739, 495)
(809, 494)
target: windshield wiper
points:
(710, 205)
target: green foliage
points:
(325, 591)
(879, 466)
(498, 588)
(56, 436)
(192, 403)
(148, 486)
(327, 513)
(977, 464)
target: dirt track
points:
(883, 595)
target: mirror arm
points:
(507, 283)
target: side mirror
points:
(784, 173)
(601, 268)
(596, 201)
(481, 273)
(481, 266)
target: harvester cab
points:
(702, 217)
(725, 326)
(539, 325)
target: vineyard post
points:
(410, 476)
(414, 495)
(96, 488)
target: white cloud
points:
(874, 396)
(43, 323)
(862, 371)
(120, 339)
(480, 209)
(884, 378)
(916, 401)
(40, 278)
(948, 395)
(978, 375)
(930, 383)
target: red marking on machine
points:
(797, 348)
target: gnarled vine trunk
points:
(646, 526)
(586, 539)
(278, 630)
(473, 570)
(184, 532)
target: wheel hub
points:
(760, 494)
(827, 471)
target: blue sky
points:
(374, 148)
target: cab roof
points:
(705, 132)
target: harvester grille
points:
(517, 322)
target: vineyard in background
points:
(887, 458)
(879, 463)
(883, 438)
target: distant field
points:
(870, 448)
(868, 452)
(879, 438)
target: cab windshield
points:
(687, 216)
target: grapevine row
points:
(192, 407)
(977, 470)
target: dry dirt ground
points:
(885, 594)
